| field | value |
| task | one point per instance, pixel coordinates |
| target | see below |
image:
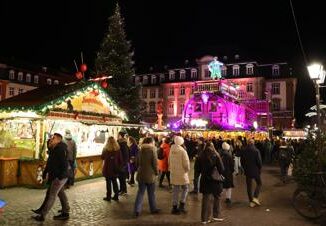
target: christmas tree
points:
(115, 59)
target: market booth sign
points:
(28, 120)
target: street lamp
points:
(317, 74)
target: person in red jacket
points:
(163, 165)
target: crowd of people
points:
(154, 158)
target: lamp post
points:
(317, 75)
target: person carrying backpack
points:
(284, 158)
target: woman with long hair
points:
(133, 148)
(112, 163)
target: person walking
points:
(57, 170)
(164, 163)
(133, 147)
(252, 164)
(123, 174)
(286, 154)
(179, 166)
(210, 188)
(111, 167)
(71, 157)
(147, 172)
(228, 172)
(237, 155)
(200, 148)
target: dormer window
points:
(276, 70)
(12, 74)
(36, 79)
(56, 82)
(193, 73)
(145, 80)
(236, 70)
(20, 76)
(136, 80)
(171, 75)
(249, 69)
(28, 77)
(182, 74)
(49, 81)
(224, 70)
(162, 78)
(153, 79)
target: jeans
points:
(176, 191)
(167, 173)
(210, 203)
(284, 166)
(249, 187)
(237, 164)
(113, 181)
(140, 196)
(56, 189)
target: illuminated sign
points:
(215, 68)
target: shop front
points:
(27, 121)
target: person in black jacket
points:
(252, 164)
(210, 188)
(123, 175)
(57, 171)
(228, 163)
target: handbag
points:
(216, 176)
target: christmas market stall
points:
(28, 120)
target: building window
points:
(28, 78)
(182, 90)
(193, 88)
(160, 93)
(213, 107)
(276, 104)
(206, 73)
(49, 81)
(171, 91)
(56, 82)
(152, 93)
(11, 91)
(20, 91)
(198, 107)
(276, 70)
(224, 70)
(182, 74)
(11, 74)
(249, 87)
(275, 88)
(171, 108)
(236, 70)
(181, 108)
(249, 69)
(152, 107)
(171, 75)
(153, 79)
(20, 76)
(193, 73)
(36, 79)
(144, 93)
(162, 78)
(137, 80)
(145, 80)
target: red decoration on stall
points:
(104, 84)
(79, 75)
(95, 93)
(83, 67)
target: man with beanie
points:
(252, 164)
(124, 150)
(179, 167)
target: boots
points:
(182, 207)
(175, 210)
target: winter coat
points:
(57, 165)
(179, 165)
(228, 163)
(206, 162)
(112, 163)
(72, 149)
(124, 152)
(163, 164)
(132, 156)
(146, 162)
(251, 161)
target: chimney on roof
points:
(186, 62)
(165, 67)
(151, 68)
(236, 56)
(225, 58)
(44, 69)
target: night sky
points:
(53, 33)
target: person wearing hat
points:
(71, 157)
(228, 171)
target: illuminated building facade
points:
(248, 92)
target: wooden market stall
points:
(28, 120)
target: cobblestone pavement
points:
(88, 208)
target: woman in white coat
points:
(179, 167)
